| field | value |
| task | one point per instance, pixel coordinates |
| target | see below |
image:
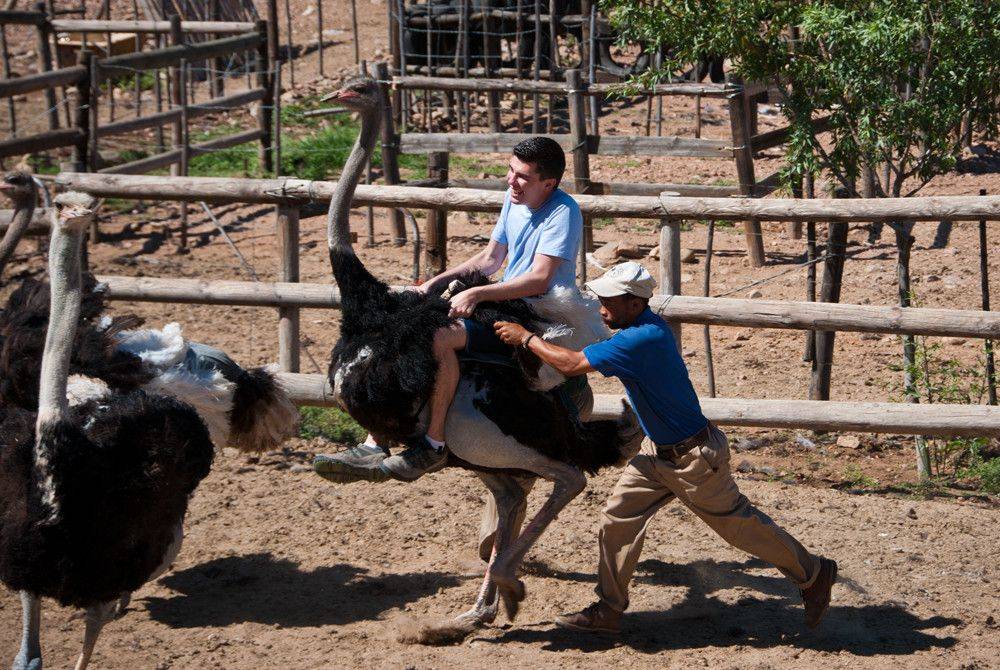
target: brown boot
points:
(597, 618)
(816, 598)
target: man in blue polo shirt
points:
(684, 456)
(538, 233)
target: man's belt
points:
(671, 451)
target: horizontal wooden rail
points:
(607, 187)
(865, 417)
(191, 27)
(684, 309)
(21, 18)
(604, 145)
(39, 221)
(225, 142)
(174, 115)
(416, 82)
(51, 139)
(141, 123)
(145, 165)
(290, 191)
(148, 60)
(41, 81)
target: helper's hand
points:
(463, 304)
(510, 333)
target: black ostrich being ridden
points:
(502, 420)
(92, 498)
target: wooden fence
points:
(584, 140)
(90, 79)
(290, 296)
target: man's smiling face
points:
(527, 186)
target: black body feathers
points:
(23, 323)
(121, 474)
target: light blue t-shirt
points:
(645, 357)
(554, 229)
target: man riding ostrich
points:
(389, 360)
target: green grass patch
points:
(331, 424)
(856, 479)
(986, 471)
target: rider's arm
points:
(486, 262)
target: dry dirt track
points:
(282, 570)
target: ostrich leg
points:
(568, 482)
(509, 496)
(96, 617)
(30, 655)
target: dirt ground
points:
(282, 569)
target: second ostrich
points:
(92, 498)
(382, 372)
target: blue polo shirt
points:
(644, 356)
(554, 229)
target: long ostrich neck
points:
(24, 209)
(338, 230)
(64, 312)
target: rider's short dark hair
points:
(545, 153)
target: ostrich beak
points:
(340, 95)
(5, 187)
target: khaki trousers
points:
(583, 397)
(702, 481)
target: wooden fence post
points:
(45, 65)
(263, 66)
(743, 155)
(82, 120)
(390, 151)
(185, 145)
(178, 100)
(833, 274)
(670, 266)
(276, 101)
(581, 157)
(287, 222)
(436, 235)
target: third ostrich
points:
(92, 498)
(501, 420)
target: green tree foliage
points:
(897, 77)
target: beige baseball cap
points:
(629, 277)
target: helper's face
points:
(526, 186)
(621, 310)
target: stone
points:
(871, 337)
(955, 340)
(754, 294)
(653, 255)
(930, 278)
(804, 442)
(613, 251)
(686, 277)
(747, 444)
(743, 336)
(849, 441)
(688, 256)
(767, 470)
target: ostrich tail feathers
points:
(263, 416)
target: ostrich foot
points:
(480, 614)
(511, 589)
(22, 662)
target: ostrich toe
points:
(512, 590)
(22, 662)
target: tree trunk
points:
(904, 244)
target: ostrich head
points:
(359, 94)
(74, 211)
(18, 186)
(363, 96)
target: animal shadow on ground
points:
(263, 589)
(703, 620)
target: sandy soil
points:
(281, 569)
